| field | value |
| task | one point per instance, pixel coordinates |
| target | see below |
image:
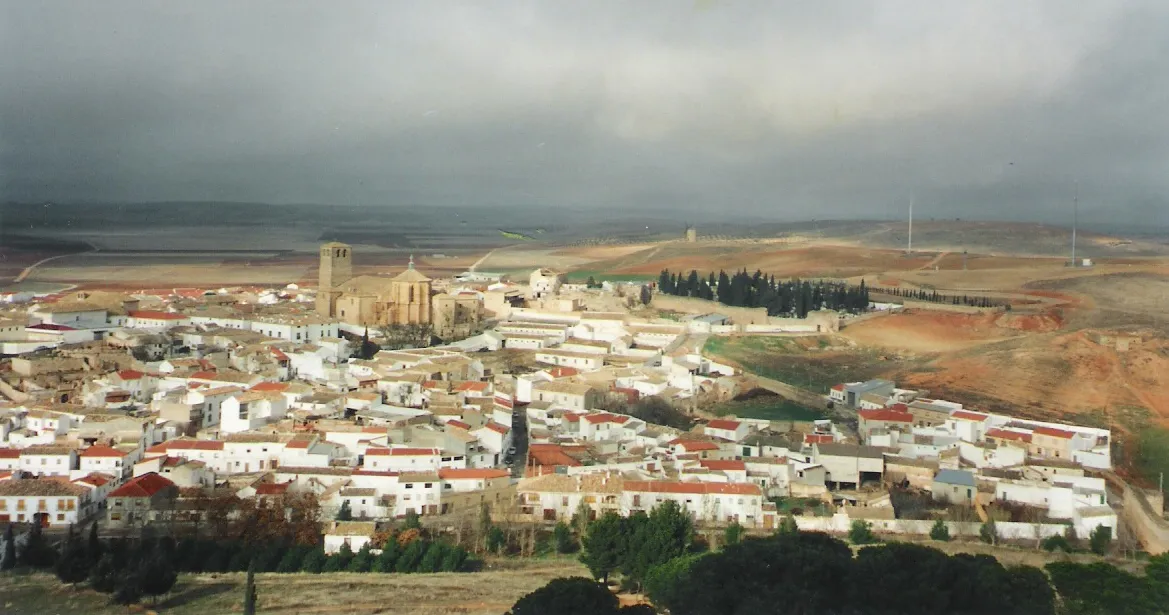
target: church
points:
(379, 301)
(370, 300)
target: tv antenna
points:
(909, 248)
(1075, 217)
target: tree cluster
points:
(574, 596)
(807, 572)
(936, 297)
(780, 297)
(633, 545)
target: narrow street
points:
(519, 439)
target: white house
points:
(494, 437)
(53, 503)
(404, 459)
(105, 460)
(251, 410)
(75, 315)
(726, 429)
(48, 460)
(705, 501)
(153, 319)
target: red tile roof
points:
(9, 453)
(818, 438)
(156, 315)
(968, 416)
(1003, 434)
(130, 374)
(469, 473)
(695, 445)
(695, 488)
(44, 326)
(142, 487)
(203, 375)
(605, 417)
(271, 387)
(497, 428)
(838, 387)
(1055, 433)
(723, 464)
(272, 488)
(563, 372)
(471, 385)
(279, 354)
(96, 479)
(550, 455)
(723, 424)
(887, 415)
(99, 450)
(459, 424)
(505, 402)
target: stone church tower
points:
(336, 269)
(410, 297)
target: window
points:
(61, 504)
(409, 485)
(60, 517)
(428, 485)
(42, 505)
(115, 516)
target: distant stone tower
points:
(691, 234)
(336, 269)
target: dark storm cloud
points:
(799, 110)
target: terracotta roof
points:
(1004, 434)
(39, 487)
(96, 479)
(550, 455)
(838, 387)
(130, 374)
(605, 417)
(459, 424)
(144, 486)
(1055, 433)
(468, 473)
(968, 416)
(723, 464)
(471, 385)
(270, 387)
(563, 372)
(695, 487)
(9, 453)
(723, 424)
(695, 445)
(503, 401)
(279, 354)
(272, 488)
(818, 438)
(156, 315)
(497, 428)
(98, 450)
(887, 415)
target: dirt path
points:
(937, 259)
(28, 270)
(482, 260)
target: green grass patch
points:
(600, 276)
(1151, 456)
(768, 409)
(786, 360)
(800, 506)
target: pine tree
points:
(37, 553)
(156, 574)
(8, 560)
(646, 294)
(94, 550)
(250, 591)
(73, 564)
(105, 575)
(345, 513)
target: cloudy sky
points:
(985, 109)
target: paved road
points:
(519, 438)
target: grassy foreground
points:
(492, 591)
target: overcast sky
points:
(821, 109)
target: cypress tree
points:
(250, 591)
(8, 560)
